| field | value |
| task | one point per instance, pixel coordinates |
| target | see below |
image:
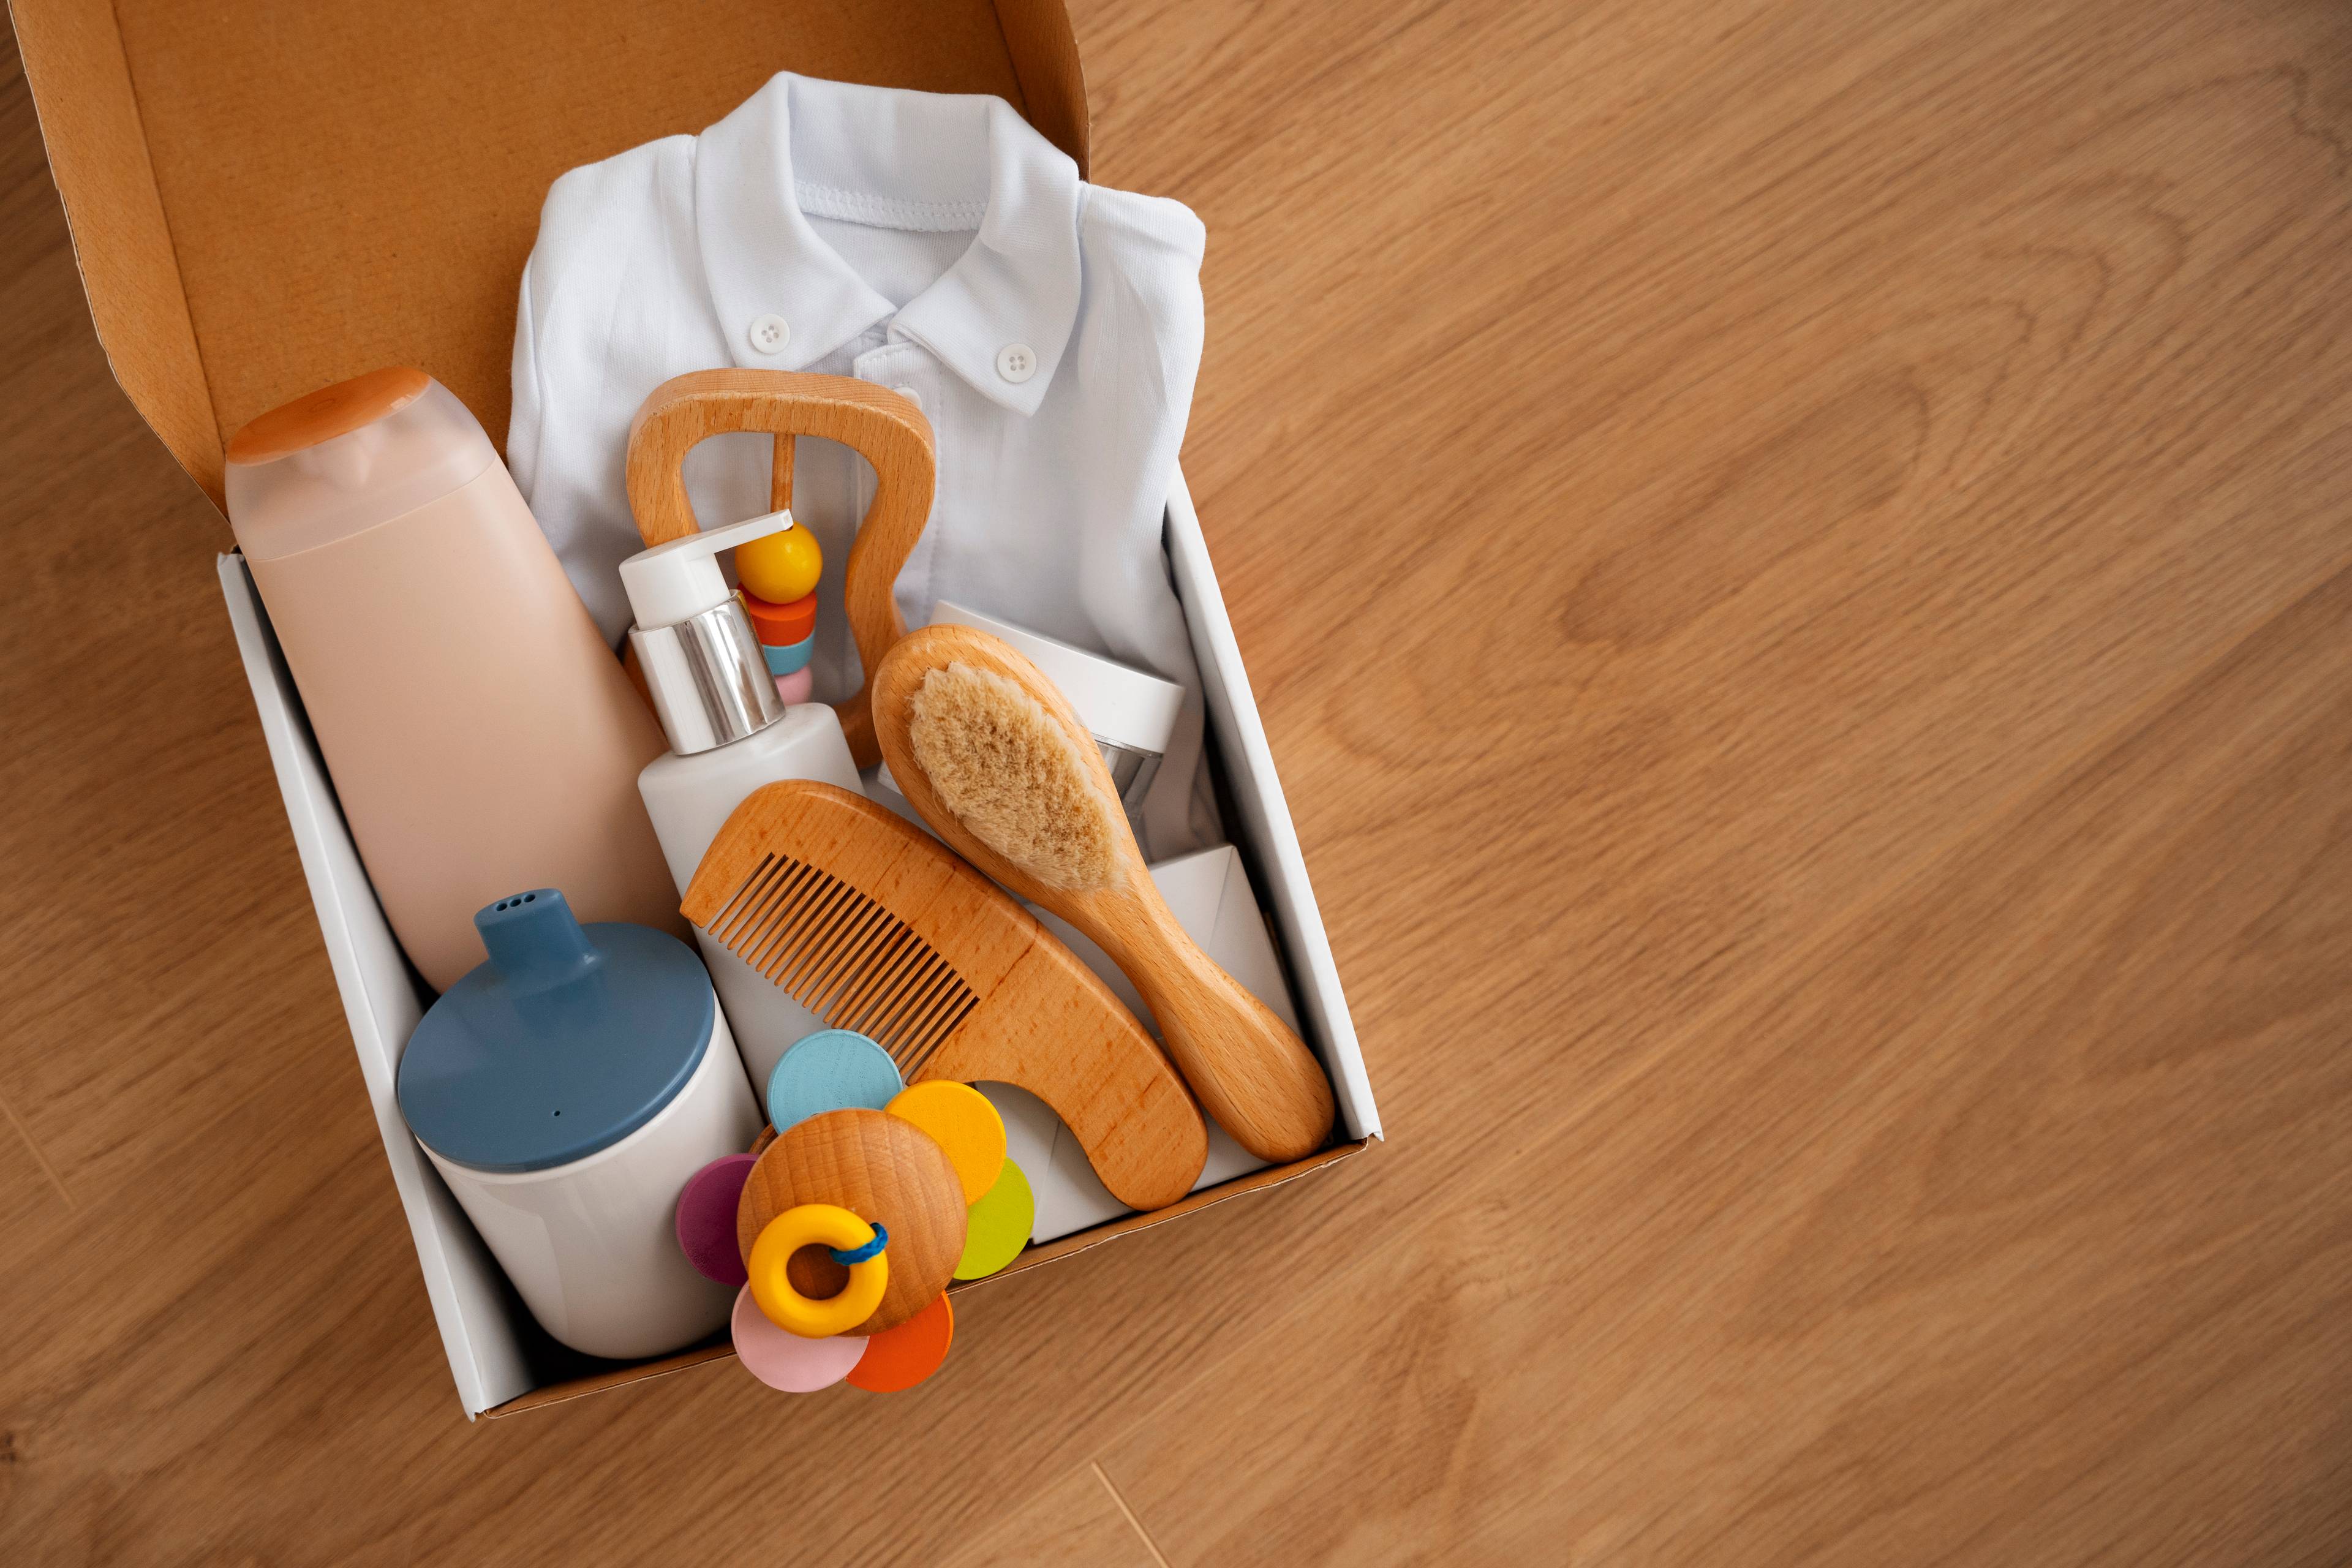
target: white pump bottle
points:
(728, 733)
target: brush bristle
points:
(1014, 777)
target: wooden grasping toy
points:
(842, 1231)
(881, 426)
(989, 751)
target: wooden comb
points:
(873, 926)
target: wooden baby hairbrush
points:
(874, 927)
(991, 754)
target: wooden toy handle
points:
(881, 426)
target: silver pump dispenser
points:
(702, 663)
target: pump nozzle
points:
(710, 681)
(673, 582)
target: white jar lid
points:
(1118, 703)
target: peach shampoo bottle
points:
(481, 735)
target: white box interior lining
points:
(481, 1319)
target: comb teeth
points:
(845, 958)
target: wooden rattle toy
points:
(879, 425)
(844, 1224)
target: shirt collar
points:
(900, 160)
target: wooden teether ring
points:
(885, 429)
(816, 1225)
(887, 1172)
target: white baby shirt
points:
(1049, 329)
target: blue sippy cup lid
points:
(569, 1039)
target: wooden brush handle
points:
(1251, 1071)
(881, 426)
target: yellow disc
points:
(781, 567)
(999, 1225)
(816, 1225)
(960, 1121)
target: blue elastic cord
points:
(860, 1254)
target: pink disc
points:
(798, 685)
(785, 1361)
(706, 1218)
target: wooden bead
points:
(887, 1172)
(777, 626)
(789, 659)
(781, 567)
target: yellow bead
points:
(781, 567)
(815, 1225)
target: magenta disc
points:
(785, 1361)
(706, 1218)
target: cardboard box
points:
(269, 195)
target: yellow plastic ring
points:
(816, 1225)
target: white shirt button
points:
(768, 334)
(910, 395)
(1016, 363)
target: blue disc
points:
(793, 657)
(832, 1069)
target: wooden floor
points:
(1797, 562)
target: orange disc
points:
(781, 625)
(902, 1357)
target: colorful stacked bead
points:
(779, 575)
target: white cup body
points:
(592, 1246)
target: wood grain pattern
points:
(869, 923)
(886, 1171)
(1252, 1073)
(1075, 1523)
(1794, 561)
(885, 429)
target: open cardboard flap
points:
(268, 197)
